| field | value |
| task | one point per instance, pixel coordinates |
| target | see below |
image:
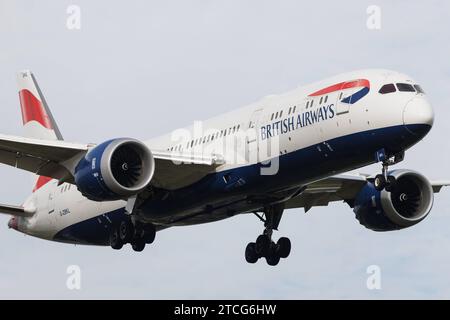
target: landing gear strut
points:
(264, 246)
(133, 232)
(384, 181)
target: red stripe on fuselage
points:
(342, 86)
(42, 180)
(32, 109)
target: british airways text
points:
(303, 119)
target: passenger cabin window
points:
(387, 88)
(418, 88)
(405, 87)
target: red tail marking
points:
(32, 109)
(42, 180)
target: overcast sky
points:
(143, 68)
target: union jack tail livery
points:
(37, 118)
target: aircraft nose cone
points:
(12, 223)
(418, 116)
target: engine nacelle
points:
(408, 204)
(115, 169)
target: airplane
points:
(286, 151)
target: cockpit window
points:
(387, 88)
(419, 88)
(405, 87)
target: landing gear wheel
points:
(250, 253)
(379, 182)
(391, 184)
(138, 245)
(284, 247)
(149, 233)
(114, 239)
(262, 245)
(126, 231)
(272, 257)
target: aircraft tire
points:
(283, 247)
(250, 253)
(379, 182)
(114, 240)
(262, 245)
(272, 257)
(138, 245)
(126, 231)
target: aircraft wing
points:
(56, 159)
(343, 187)
(42, 157)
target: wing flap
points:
(174, 171)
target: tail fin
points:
(37, 118)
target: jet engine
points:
(114, 170)
(407, 204)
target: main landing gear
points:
(384, 181)
(265, 247)
(137, 234)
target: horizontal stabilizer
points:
(17, 211)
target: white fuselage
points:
(59, 207)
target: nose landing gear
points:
(384, 181)
(264, 246)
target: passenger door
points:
(253, 136)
